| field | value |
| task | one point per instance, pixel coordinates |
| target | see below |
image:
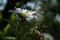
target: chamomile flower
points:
(26, 13)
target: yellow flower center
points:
(24, 14)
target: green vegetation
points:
(32, 30)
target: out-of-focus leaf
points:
(0, 15)
(12, 17)
(0, 32)
(10, 38)
(54, 2)
(6, 29)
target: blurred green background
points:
(13, 29)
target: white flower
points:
(48, 36)
(18, 10)
(26, 13)
(31, 12)
(57, 17)
(23, 10)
